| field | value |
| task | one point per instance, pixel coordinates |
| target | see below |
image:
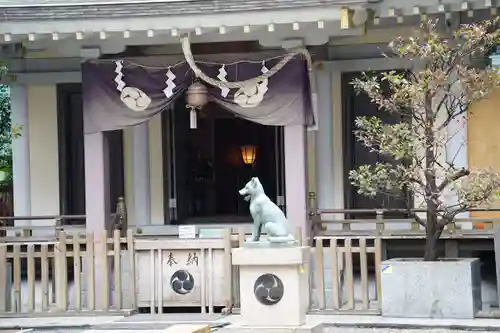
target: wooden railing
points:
(62, 276)
(70, 223)
(384, 224)
(346, 274)
(46, 232)
(58, 274)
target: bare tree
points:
(438, 92)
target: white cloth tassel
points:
(169, 90)
(120, 85)
(222, 76)
(192, 119)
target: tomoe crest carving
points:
(268, 289)
(182, 282)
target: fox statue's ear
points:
(255, 181)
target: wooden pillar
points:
(97, 206)
(21, 154)
(141, 174)
(295, 178)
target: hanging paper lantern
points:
(196, 98)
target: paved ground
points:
(327, 330)
(54, 331)
(146, 323)
(395, 330)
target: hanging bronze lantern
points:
(248, 154)
(196, 98)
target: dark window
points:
(356, 154)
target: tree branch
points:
(456, 176)
(449, 217)
(417, 181)
(418, 219)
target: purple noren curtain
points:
(119, 94)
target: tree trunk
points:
(432, 233)
(432, 228)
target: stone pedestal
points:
(274, 288)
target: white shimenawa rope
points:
(186, 49)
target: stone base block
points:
(307, 328)
(449, 288)
(274, 285)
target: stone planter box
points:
(449, 288)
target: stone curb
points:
(47, 327)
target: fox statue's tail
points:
(281, 239)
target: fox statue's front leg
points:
(256, 230)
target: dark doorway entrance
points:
(208, 167)
(356, 154)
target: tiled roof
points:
(16, 10)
